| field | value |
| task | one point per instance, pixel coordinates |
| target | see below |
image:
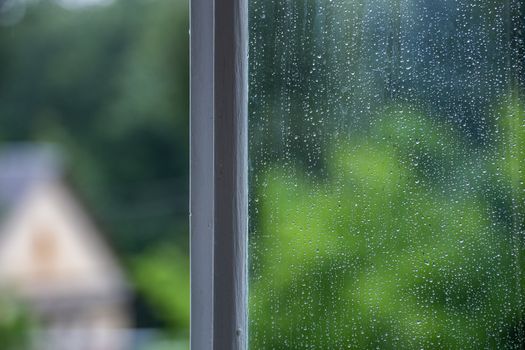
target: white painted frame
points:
(219, 173)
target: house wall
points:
(53, 258)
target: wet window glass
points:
(387, 169)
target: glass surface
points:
(387, 169)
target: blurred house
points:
(53, 258)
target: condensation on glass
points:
(387, 169)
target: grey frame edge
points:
(219, 173)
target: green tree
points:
(398, 247)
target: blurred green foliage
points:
(109, 85)
(387, 154)
(398, 247)
(14, 324)
(163, 277)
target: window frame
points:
(219, 173)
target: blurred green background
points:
(108, 83)
(387, 159)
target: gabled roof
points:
(40, 204)
(22, 165)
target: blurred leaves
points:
(378, 255)
(163, 277)
(14, 325)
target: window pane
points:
(387, 169)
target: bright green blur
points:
(399, 246)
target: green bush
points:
(14, 325)
(400, 246)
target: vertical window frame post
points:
(219, 173)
